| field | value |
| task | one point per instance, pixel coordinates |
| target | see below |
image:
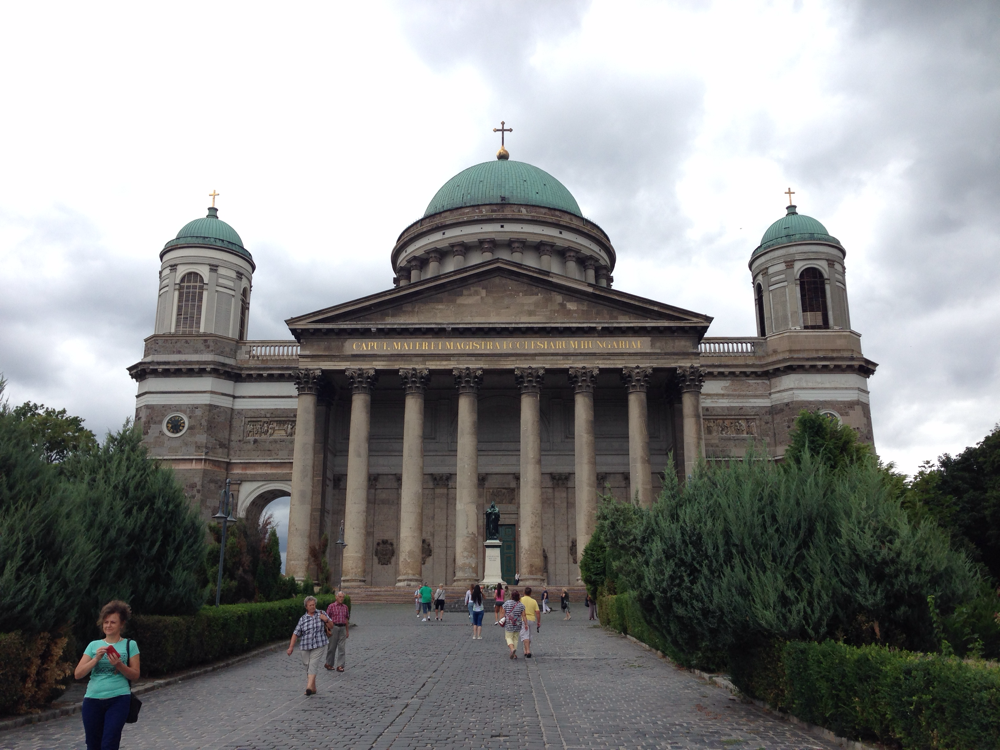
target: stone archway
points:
(254, 499)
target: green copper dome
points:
(794, 227)
(503, 181)
(210, 231)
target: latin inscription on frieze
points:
(495, 345)
(731, 427)
(269, 428)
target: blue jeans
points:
(470, 610)
(103, 721)
(477, 618)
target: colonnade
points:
(468, 380)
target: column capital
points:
(458, 248)
(487, 246)
(560, 480)
(690, 378)
(584, 379)
(362, 379)
(308, 382)
(589, 262)
(545, 248)
(570, 255)
(636, 379)
(434, 255)
(529, 379)
(441, 480)
(468, 379)
(517, 243)
(415, 379)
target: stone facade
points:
(505, 378)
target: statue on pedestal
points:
(492, 522)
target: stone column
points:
(403, 279)
(690, 380)
(602, 276)
(468, 380)
(529, 517)
(517, 250)
(636, 381)
(569, 256)
(409, 571)
(584, 380)
(307, 382)
(486, 247)
(458, 253)
(211, 300)
(545, 255)
(433, 264)
(589, 272)
(362, 382)
(414, 271)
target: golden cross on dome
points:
(212, 196)
(501, 130)
(789, 193)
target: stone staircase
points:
(456, 596)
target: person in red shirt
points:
(339, 628)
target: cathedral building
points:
(502, 366)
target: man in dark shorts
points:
(425, 601)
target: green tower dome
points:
(794, 227)
(503, 181)
(210, 231)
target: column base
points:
(533, 581)
(464, 582)
(408, 581)
(353, 582)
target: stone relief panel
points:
(500, 495)
(385, 550)
(739, 427)
(425, 551)
(269, 428)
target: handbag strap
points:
(128, 658)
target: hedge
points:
(621, 612)
(170, 644)
(871, 692)
(34, 669)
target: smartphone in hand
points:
(113, 652)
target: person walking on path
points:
(425, 601)
(591, 607)
(517, 579)
(513, 613)
(498, 603)
(312, 632)
(439, 603)
(564, 603)
(416, 600)
(532, 620)
(545, 601)
(477, 608)
(338, 629)
(468, 601)
(112, 664)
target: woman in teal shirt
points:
(106, 703)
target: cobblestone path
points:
(411, 684)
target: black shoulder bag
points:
(135, 704)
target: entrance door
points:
(508, 552)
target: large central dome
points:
(503, 181)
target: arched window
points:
(760, 311)
(812, 291)
(189, 295)
(244, 313)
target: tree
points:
(45, 559)
(55, 432)
(826, 439)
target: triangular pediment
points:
(500, 293)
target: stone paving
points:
(411, 684)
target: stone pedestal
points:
(492, 576)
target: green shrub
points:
(746, 552)
(875, 693)
(623, 614)
(174, 643)
(34, 669)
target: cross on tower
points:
(212, 196)
(789, 193)
(501, 130)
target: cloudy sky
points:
(327, 128)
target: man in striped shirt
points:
(340, 617)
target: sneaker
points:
(527, 656)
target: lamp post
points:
(341, 543)
(225, 517)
